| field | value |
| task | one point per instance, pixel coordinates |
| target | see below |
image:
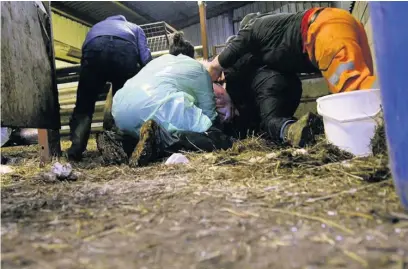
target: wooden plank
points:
(67, 53)
(45, 154)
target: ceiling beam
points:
(78, 16)
(134, 7)
(131, 12)
(211, 12)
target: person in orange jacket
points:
(326, 40)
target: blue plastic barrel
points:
(390, 32)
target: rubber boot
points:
(149, 147)
(304, 132)
(80, 126)
(110, 146)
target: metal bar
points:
(95, 129)
(167, 36)
(71, 101)
(203, 26)
(163, 52)
(67, 70)
(68, 79)
(150, 24)
(171, 27)
(96, 118)
(68, 111)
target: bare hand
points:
(215, 73)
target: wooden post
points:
(203, 24)
(49, 140)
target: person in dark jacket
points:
(326, 40)
(238, 79)
(266, 99)
(114, 50)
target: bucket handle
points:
(319, 110)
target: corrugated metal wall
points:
(361, 12)
(220, 28)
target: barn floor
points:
(251, 207)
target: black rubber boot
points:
(80, 126)
(109, 144)
(304, 132)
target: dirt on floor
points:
(254, 206)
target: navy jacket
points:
(118, 26)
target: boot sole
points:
(111, 150)
(145, 149)
(313, 128)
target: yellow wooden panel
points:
(68, 31)
(61, 64)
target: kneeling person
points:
(168, 106)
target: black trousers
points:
(266, 99)
(277, 97)
(104, 59)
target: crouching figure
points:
(170, 105)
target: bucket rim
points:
(331, 96)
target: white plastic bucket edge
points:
(320, 111)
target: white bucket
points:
(349, 119)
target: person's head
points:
(224, 105)
(181, 46)
(247, 19)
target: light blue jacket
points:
(175, 91)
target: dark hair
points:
(181, 46)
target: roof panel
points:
(98, 10)
(140, 12)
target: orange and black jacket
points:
(276, 39)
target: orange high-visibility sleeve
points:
(338, 44)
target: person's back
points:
(175, 91)
(118, 26)
(276, 39)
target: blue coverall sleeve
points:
(144, 51)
